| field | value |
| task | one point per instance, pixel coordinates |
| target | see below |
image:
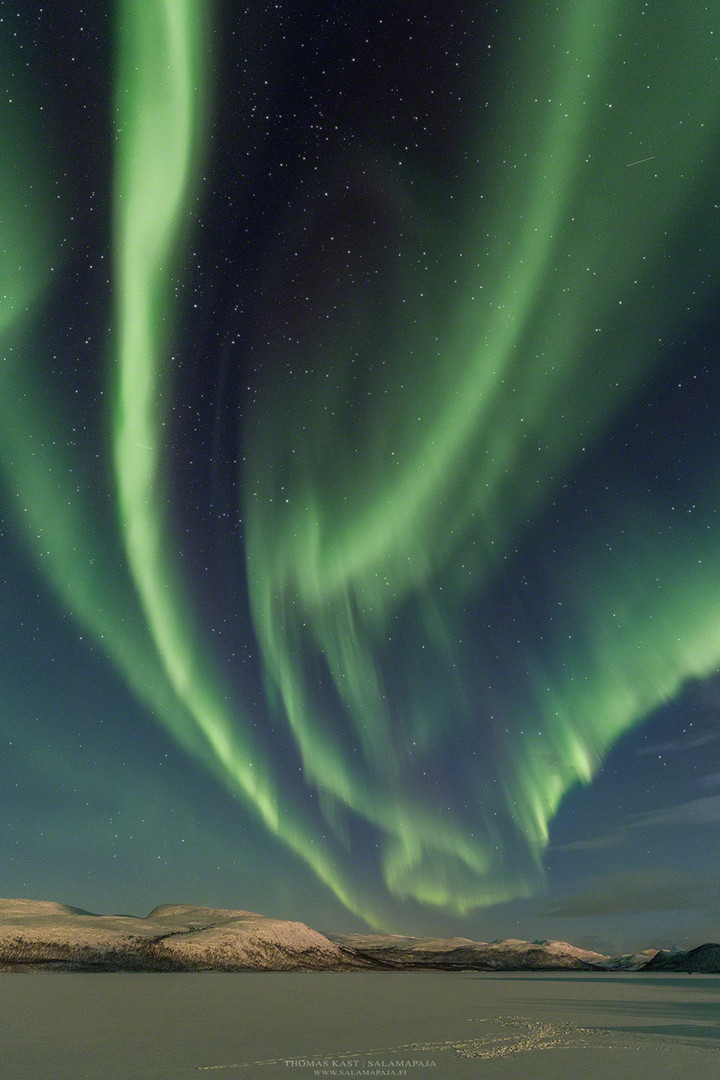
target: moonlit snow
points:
(449, 1026)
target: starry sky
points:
(359, 453)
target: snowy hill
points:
(40, 935)
(630, 961)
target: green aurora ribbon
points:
(510, 337)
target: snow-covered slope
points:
(35, 934)
(630, 961)
(461, 953)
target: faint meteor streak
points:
(640, 161)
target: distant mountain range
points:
(45, 936)
(461, 954)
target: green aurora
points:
(435, 417)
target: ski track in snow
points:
(520, 1035)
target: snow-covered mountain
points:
(43, 935)
(630, 961)
(393, 950)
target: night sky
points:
(359, 463)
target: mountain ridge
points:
(45, 935)
(40, 935)
(705, 959)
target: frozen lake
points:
(449, 1026)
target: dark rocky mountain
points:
(703, 959)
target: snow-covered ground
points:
(450, 1026)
